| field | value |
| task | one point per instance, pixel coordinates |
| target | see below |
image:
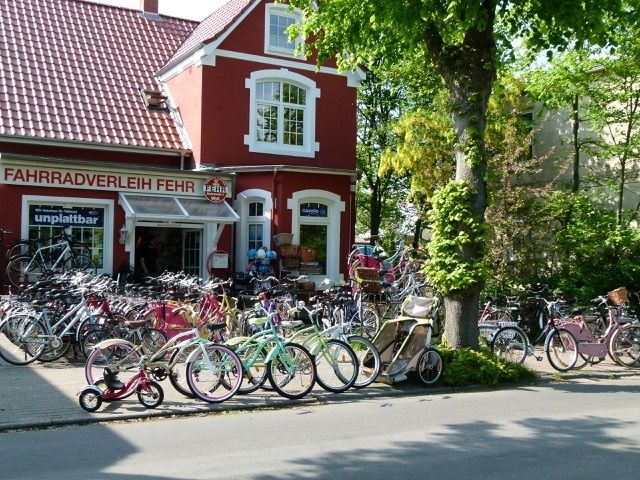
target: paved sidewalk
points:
(42, 395)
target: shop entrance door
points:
(178, 249)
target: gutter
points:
(91, 146)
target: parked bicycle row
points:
(571, 337)
(290, 343)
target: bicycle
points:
(618, 341)
(265, 355)
(213, 371)
(48, 260)
(47, 333)
(369, 364)
(110, 388)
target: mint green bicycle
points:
(289, 367)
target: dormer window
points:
(277, 20)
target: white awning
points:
(159, 208)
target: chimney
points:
(149, 6)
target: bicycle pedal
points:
(539, 359)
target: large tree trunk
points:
(469, 71)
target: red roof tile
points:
(72, 70)
(212, 26)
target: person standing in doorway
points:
(146, 257)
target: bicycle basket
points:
(619, 296)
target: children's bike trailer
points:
(404, 343)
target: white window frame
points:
(309, 147)
(335, 207)
(281, 11)
(241, 204)
(107, 260)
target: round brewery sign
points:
(215, 189)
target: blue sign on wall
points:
(313, 210)
(54, 216)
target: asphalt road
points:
(578, 429)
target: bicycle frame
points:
(77, 314)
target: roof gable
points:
(213, 26)
(72, 71)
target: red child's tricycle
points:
(109, 389)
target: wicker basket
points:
(363, 273)
(370, 286)
(619, 296)
(283, 239)
(307, 255)
(288, 250)
(290, 262)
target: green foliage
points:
(466, 366)
(458, 240)
(424, 151)
(592, 254)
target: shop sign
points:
(52, 216)
(215, 189)
(313, 210)
(92, 180)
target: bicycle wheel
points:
(21, 248)
(90, 339)
(150, 395)
(562, 349)
(214, 374)
(83, 263)
(120, 357)
(365, 322)
(254, 371)
(90, 399)
(152, 340)
(369, 364)
(22, 270)
(177, 371)
(292, 371)
(55, 348)
(22, 339)
(624, 346)
(336, 366)
(510, 344)
(429, 366)
(485, 335)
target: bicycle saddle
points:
(111, 380)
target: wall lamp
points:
(123, 235)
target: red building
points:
(211, 136)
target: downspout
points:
(275, 195)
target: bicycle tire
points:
(152, 340)
(291, 371)
(23, 270)
(21, 248)
(82, 263)
(561, 348)
(511, 344)
(121, 358)
(90, 400)
(216, 377)
(150, 395)
(429, 366)
(336, 366)
(369, 363)
(55, 349)
(21, 340)
(365, 322)
(624, 346)
(254, 370)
